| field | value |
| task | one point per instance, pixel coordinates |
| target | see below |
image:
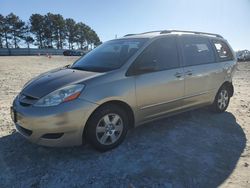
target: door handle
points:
(178, 75)
(189, 73)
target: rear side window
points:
(159, 55)
(197, 51)
(223, 51)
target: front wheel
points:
(221, 100)
(107, 127)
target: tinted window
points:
(197, 51)
(109, 56)
(223, 50)
(160, 55)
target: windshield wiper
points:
(92, 69)
(78, 68)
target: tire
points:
(221, 100)
(107, 127)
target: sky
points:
(230, 18)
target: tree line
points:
(46, 31)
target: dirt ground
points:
(193, 149)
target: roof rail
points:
(128, 35)
(195, 32)
(142, 33)
(171, 31)
(159, 31)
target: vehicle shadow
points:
(193, 149)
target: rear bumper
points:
(58, 126)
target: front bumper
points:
(59, 126)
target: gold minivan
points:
(124, 83)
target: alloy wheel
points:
(109, 129)
(223, 99)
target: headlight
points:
(64, 94)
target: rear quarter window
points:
(223, 51)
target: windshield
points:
(109, 56)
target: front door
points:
(159, 79)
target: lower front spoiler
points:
(59, 139)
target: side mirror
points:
(148, 68)
(140, 68)
(145, 69)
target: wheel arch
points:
(229, 85)
(119, 103)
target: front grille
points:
(27, 100)
(23, 130)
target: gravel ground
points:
(193, 149)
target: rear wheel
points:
(222, 99)
(107, 127)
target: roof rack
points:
(142, 33)
(195, 32)
(128, 35)
(172, 31)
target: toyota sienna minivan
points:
(124, 83)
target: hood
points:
(53, 80)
